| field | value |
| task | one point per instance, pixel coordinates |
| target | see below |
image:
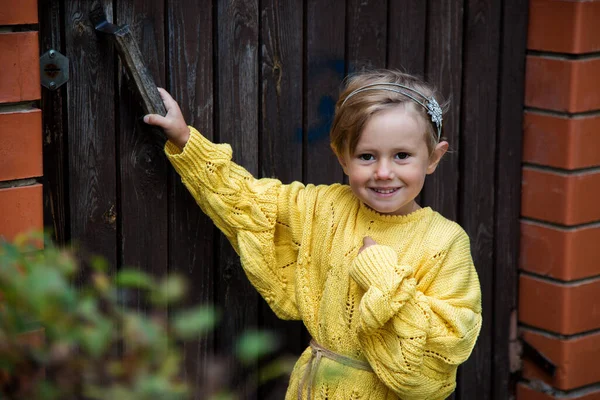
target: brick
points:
(19, 57)
(565, 254)
(567, 199)
(566, 309)
(574, 26)
(15, 12)
(560, 141)
(576, 360)
(22, 211)
(20, 145)
(524, 392)
(562, 85)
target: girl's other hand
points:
(367, 242)
(173, 123)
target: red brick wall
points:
(20, 120)
(559, 293)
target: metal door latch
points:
(54, 69)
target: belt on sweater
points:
(318, 352)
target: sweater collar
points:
(371, 214)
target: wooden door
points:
(263, 75)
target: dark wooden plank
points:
(191, 233)
(508, 190)
(53, 103)
(281, 138)
(367, 34)
(142, 165)
(444, 70)
(477, 183)
(324, 72)
(91, 128)
(407, 23)
(237, 124)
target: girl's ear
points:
(343, 162)
(440, 149)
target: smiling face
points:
(388, 168)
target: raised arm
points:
(415, 331)
(262, 218)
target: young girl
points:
(387, 289)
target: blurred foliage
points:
(96, 346)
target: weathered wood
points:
(53, 104)
(142, 164)
(276, 113)
(133, 62)
(508, 190)
(281, 138)
(131, 59)
(444, 70)
(237, 124)
(477, 182)
(407, 23)
(367, 34)
(191, 233)
(91, 129)
(324, 72)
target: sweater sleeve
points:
(415, 334)
(261, 218)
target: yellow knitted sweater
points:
(410, 306)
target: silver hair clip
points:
(429, 104)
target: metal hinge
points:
(54, 69)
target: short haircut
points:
(349, 120)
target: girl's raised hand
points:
(173, 123)
(367, 242)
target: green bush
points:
(95, 346)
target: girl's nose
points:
(383, 171)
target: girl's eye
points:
(402, 156)
(366, 157)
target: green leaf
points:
(276, 369)
(253, 345)
(170, 291)
(63, 261)
(139, 331)
(135, 279)
(96, 338)
(88, 308)
(99, 264)
(171, 364)
(195, 322)
(223, 396)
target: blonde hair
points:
(352, 113)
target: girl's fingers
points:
(367, 241)
(168, 100)
(156, 120)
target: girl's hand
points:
(173, 123)
(367, 242)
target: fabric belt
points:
(318, 352)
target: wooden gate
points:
(263, 75)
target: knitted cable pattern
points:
(410, 306)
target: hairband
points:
(429, 103)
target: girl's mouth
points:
(385, 191)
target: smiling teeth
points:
(385, 191)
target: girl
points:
(387, 289)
